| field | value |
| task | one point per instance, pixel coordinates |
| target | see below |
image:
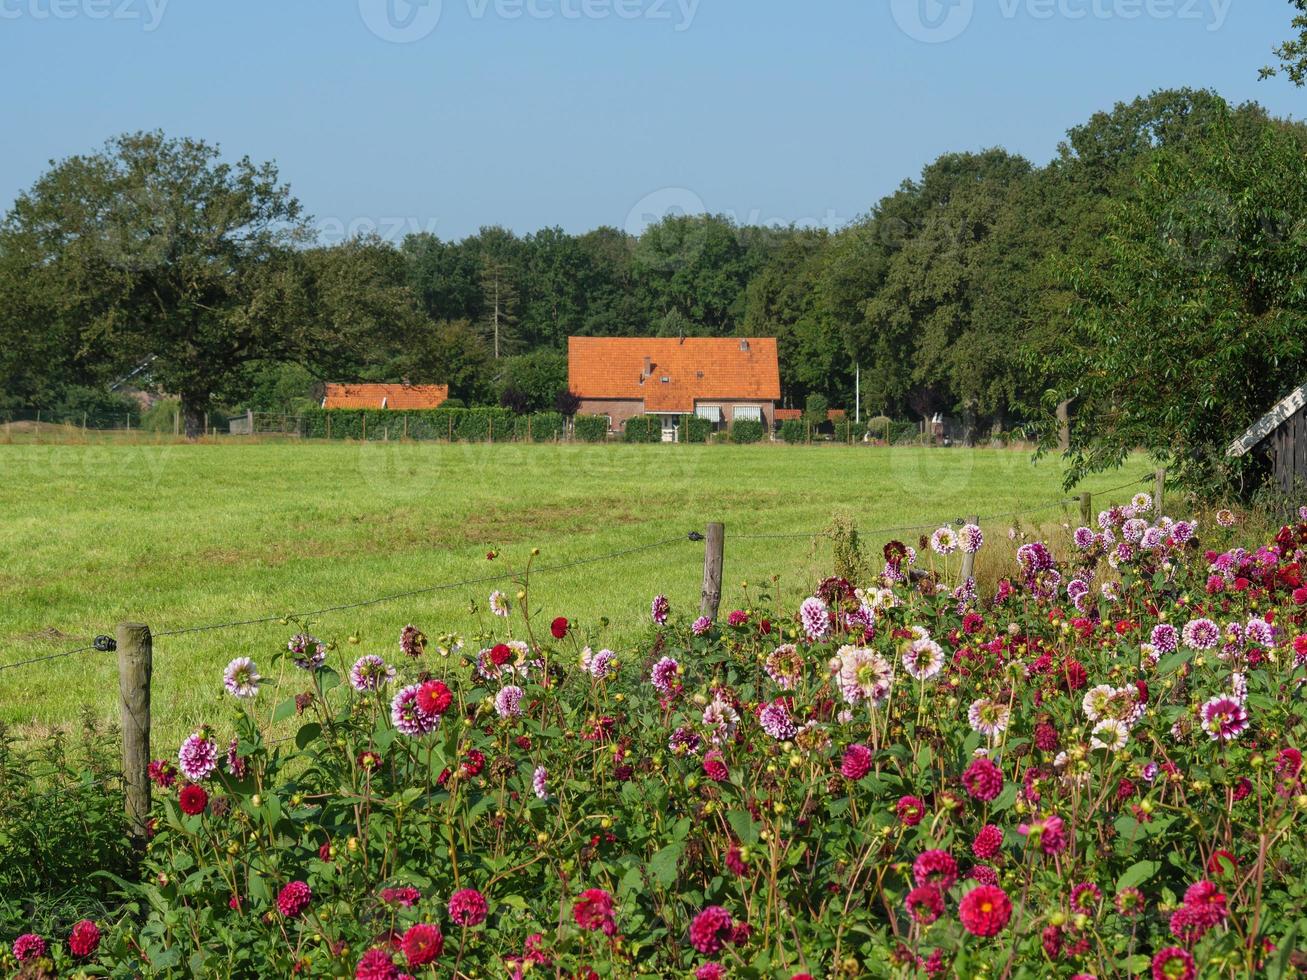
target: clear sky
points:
(446, 115)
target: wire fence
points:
(105, 643)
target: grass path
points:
(183, 535)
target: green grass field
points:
(180, 536)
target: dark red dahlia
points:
(559, 627)
(293, 899)
(983, 780)
(421, 944)
(84, 939)
(985, 911)
(193, 799)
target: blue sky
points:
(452, 114)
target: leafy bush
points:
(61, 829)
(1032, 783)
(540, 427)
(794, 431)
(746, 431)
(590, 428)
(695, 429)
(643, 428)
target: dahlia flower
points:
(241, 678)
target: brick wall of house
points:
(619, 410)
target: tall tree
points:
(155, 247)
(1292, 54)
(1194, 320)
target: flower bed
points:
(1096, 773)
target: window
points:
(712, 413)
(748, 413)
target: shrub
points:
(540, 427)
(62, 829)
(794, 431)
(695, 429)
(643, 428)
(747, 431)
(590, 428)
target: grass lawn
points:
(178, 536)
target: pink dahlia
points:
(925, 904)
(983, 780)
(293, 899)
(815, 617)
(1174, 963)
(935, 868)
(988, 842)
(84, 939)
(467, 907)
(659, 610)
(29, 946)
(985, 911)
(1224, 718)
(710, 930)
(198, 757)
(593, 909)
(376, 964)
(857, 762)
(714, 766)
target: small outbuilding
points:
(1281, 435)
(396, 398)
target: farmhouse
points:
(718, 378)
(1281, 435)
(397, 398)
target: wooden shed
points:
(1281, 434)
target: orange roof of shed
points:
(395, 397)
(680, 372)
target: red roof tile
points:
(394, 397)
(789, 414)
(679, 371)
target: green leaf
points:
(307, 734)
(1137, 874)
(745, 829)
(663, 864)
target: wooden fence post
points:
(1087, 509)
(328, 425)
(406, 427)
(969, 557)
(1159, 490)
(135, 664)
(176, 424)
(364, 417)
(712, 571)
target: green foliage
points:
(794, 431)
(695, 429)
(643, 428)
(539, 376)
(590, 428)
(450, 424)
(61, 825)
(1194, 322)
(747, 431)
(1293, 52)
(816, 409)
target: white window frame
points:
(715, 418)
(749, 415)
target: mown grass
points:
(179, 536)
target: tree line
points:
(1149, 279)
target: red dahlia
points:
(988, 842)
(983, 780)
(467, 907)
(559, 627)
(293, 899)
(593, 909)
(421, 944)
(434, 698)
(193, 799)
(85, 939)
(985, 911)
(710, 930)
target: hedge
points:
(590, 428)
(643, 428)
(696, 429)
(794, 431)
(455, 424)
(746, 431)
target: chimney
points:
(744, 346)
(648, 367)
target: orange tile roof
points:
(836, 415)
(695, 369)
(789, 414)
(395, 397)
